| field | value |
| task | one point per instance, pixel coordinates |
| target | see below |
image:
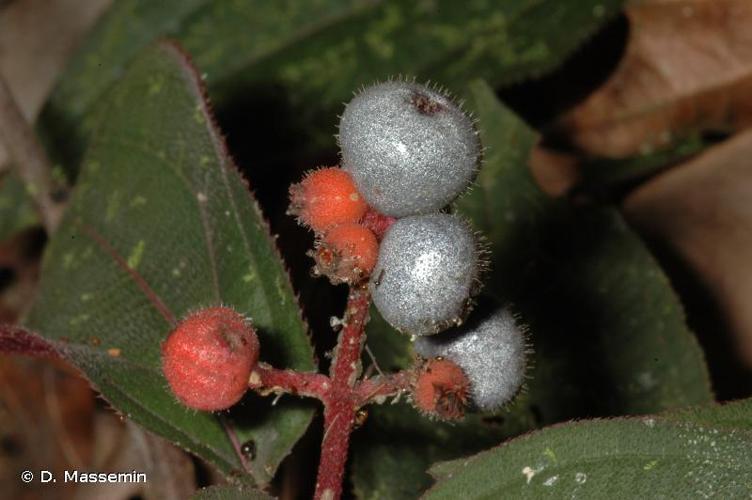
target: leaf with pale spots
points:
(689, 454)
(160, 224)
(289, 51)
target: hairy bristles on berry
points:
(483, 248)
(325, 198)
(208, 358)
(441, 389)
(410, 149)
(490, 349)
(426, 273)
(346, 254)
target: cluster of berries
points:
(407, 152)
(328, 202)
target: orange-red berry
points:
(208, 358)
(441, 389)
(325, 198)
(347, 253)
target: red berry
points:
(346, 254)
(208, 358)
(441, 389)
(325, 198)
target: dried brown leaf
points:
(554, 172)
(49, 421)
(127, 447)
(687, 68)
(46, 414)
(702, 210)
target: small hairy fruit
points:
(410, 148)
(207, 359)
(441, 389)
(346, 254)
(325, 198)
(490, 350)
(426, 272)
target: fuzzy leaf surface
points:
(647, 457)
(162, 224)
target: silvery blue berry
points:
(410, 149)
(490, 350)
(427, 268)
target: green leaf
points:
(608, 333)
(16, 206)
(646, 457)
(397, 445)
(315, 53)
(162, 224)
(227, 492)
(735, 415)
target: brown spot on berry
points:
(424, 104)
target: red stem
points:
(340, 392)
(17, 340)
(340, 403)
(267, 380)
(377, 389)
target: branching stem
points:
(341, 392)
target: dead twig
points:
(29, 159)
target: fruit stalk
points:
(340, 402)
(377, 389)
(341, 392)
(267, 380)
